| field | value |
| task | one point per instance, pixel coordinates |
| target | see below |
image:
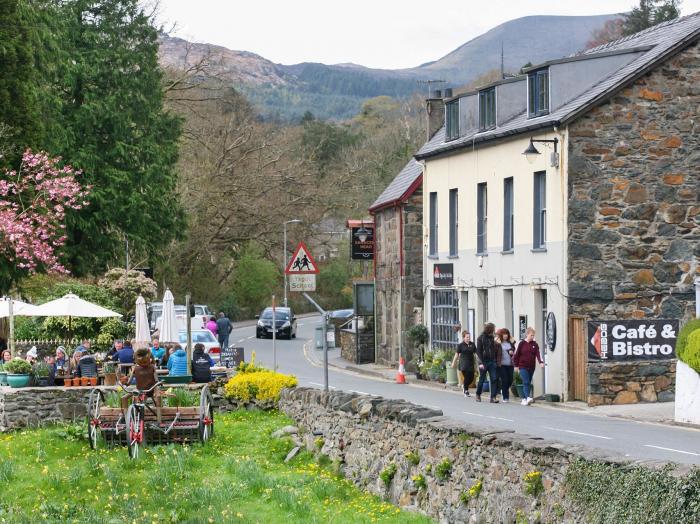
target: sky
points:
(388, 34)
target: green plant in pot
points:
(3, 375)
(19, 373)
(41, 373)
(110, 371)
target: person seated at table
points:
(32, 355)
(177, 362)
(157, 351)
(117, 346)
(125, 353)
(6, 356)
(61, 364)
(201, 364)
(87, 365)
(84, 346)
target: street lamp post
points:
(284, 256)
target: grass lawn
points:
(52, 475)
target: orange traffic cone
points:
(401, 375)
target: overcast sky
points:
(374, 33)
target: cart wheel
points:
(95, 401)
(206, 415)
(134, 431)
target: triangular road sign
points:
(301, 262)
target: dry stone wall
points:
(488, 468)
(32, 407)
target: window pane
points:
(433, 223)
(444, 316)
(453, 221)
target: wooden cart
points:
(138, 424)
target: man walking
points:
(488, 353)
(223, 328)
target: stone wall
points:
(631, 382)
(634, 210)
(388, 276)
(367, 434)
(30, 407)
(349, 346)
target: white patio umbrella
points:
(143, 333)
(70, 306)
(168, 327)
(11, 308)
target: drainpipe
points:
(399, 209)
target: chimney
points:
(435, 106)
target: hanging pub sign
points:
(443, 275)
(551, 331)
(361, 240)
(622, 340)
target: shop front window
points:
(444, 318)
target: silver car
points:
(206, 337)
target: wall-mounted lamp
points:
(531, 152)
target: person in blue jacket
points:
(157, 351)
(177, 363)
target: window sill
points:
(482, 254)
(536, 115)
(434, 257)
(538, 250)
(452, 256)
(507, 252)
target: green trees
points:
(649, 13)
(254, 280)
(119, 134)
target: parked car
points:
(203, 336)
(285, 323)
(201, 314)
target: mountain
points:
(286, 92)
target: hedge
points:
(685, 353)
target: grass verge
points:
(50, 475)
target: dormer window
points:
(487, 109)
(452, 120)
(538, 91)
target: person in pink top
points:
(526, 357)
(211, 326)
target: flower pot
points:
(42, 382)
(68, 382)
(110, 379)
(451, 374)
(93, 381)
(3, 378)
(18, 381)
(84, 381)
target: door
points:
(578, 358)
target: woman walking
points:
(506, 369)
(466, 350)
(525, 358)
(488, 352)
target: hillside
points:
(286, 92)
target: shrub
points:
(533, 483)
(444, 469)
(472, 493)
(683, 350)
(419, 481)
(413, 458)
(18, 366)
(112, 399)
(41, 370)
(181, 397)
(418, 333)
(387, 474)
(692, 351)
(261, 385)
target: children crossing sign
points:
(302, 270)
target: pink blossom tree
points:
(34, 201)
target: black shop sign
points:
(627, 340)
(443, 275)
(362, 242)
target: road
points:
(632, 439)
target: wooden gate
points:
(578, 358)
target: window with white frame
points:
(454, 224)
(538, 92)
(433, 243)
(444, 317)
(452, 120)
(487, 108)
(539, 236)
(508, 217)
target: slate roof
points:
(400, 186)
(665, 40)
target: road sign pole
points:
(274, 336)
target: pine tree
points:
(650, 13)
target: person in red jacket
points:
(525, 358)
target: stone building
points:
(598, 223)
(398, 263)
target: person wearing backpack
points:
(488, 354)
(201, 364)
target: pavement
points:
(636, 437)
(656, 412)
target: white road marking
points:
(578, 433)
(241, 340)
(300, 324)
(321, 385)
(359, 392)
(671, 449)
(486, 416)
(249, 338)
(432, 407)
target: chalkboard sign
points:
(522, 326)
(232, 356)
